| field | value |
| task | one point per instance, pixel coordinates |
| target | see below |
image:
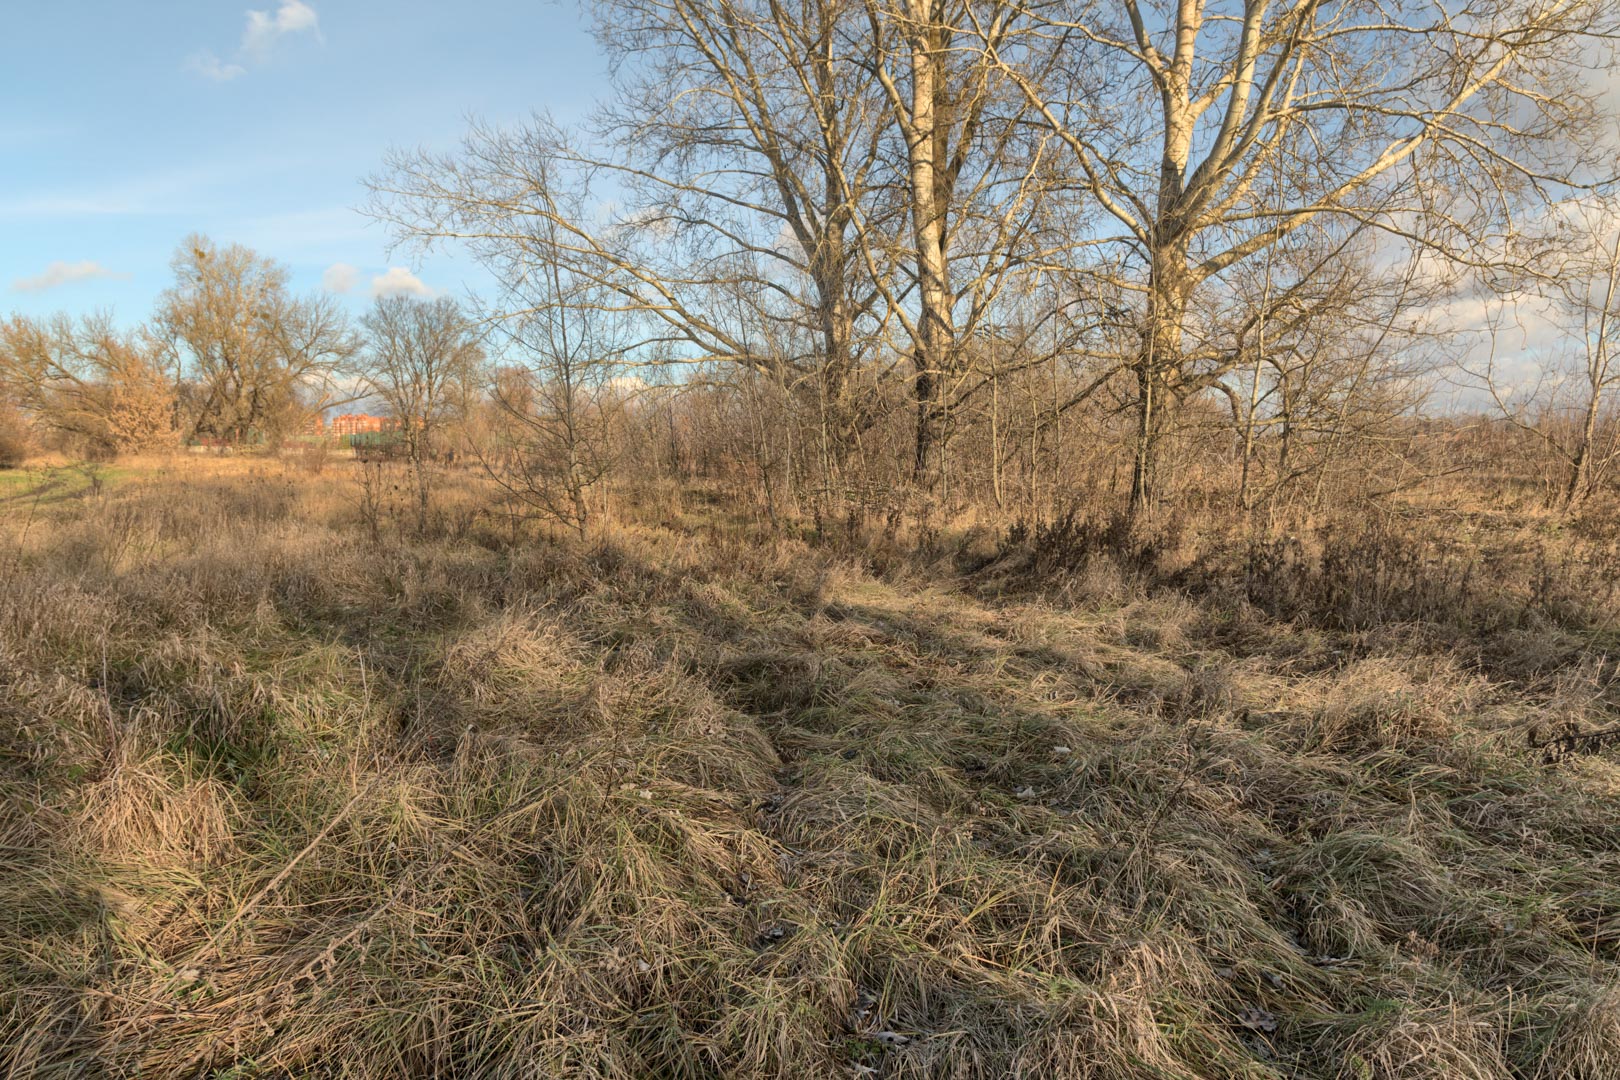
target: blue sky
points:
(125, 126)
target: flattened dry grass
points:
(278, 800)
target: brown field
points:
(692, 800)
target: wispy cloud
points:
(209, 66)
(398, 281)
(263, 30)
(65, 273)
(340, 278)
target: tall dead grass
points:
(281, 799)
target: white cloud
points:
(263, 30)
(340, 278)
(209, 66)
(65, 273)
(398, 281)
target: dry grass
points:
(279, 800)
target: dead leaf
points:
(1257, 1020)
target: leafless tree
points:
(1568, 402)
(810, 190)
(741, 145)
(1427, 119)
(1329, 356)
(976, 187)
(1141, 209)
(422, 358)
(564, 351)
(751, 135)
(251, 353)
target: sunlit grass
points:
(280, 799)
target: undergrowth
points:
(283, 799)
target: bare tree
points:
(1597, 381)
(250, 352)
(422, 358)
(809, 190)
(1428, 119)
(750, 224)
(973, 186)
(1569, 401)
(1329, 354)
(562, 386)
(752, 137)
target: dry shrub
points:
(314, 457)
(135, 414)
(1070, 542)
(15, 440)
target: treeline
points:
(880, 258)
(1053, 234)
(230, 355)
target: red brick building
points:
(357, 423)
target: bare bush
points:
(15, 439)
(100, 388)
